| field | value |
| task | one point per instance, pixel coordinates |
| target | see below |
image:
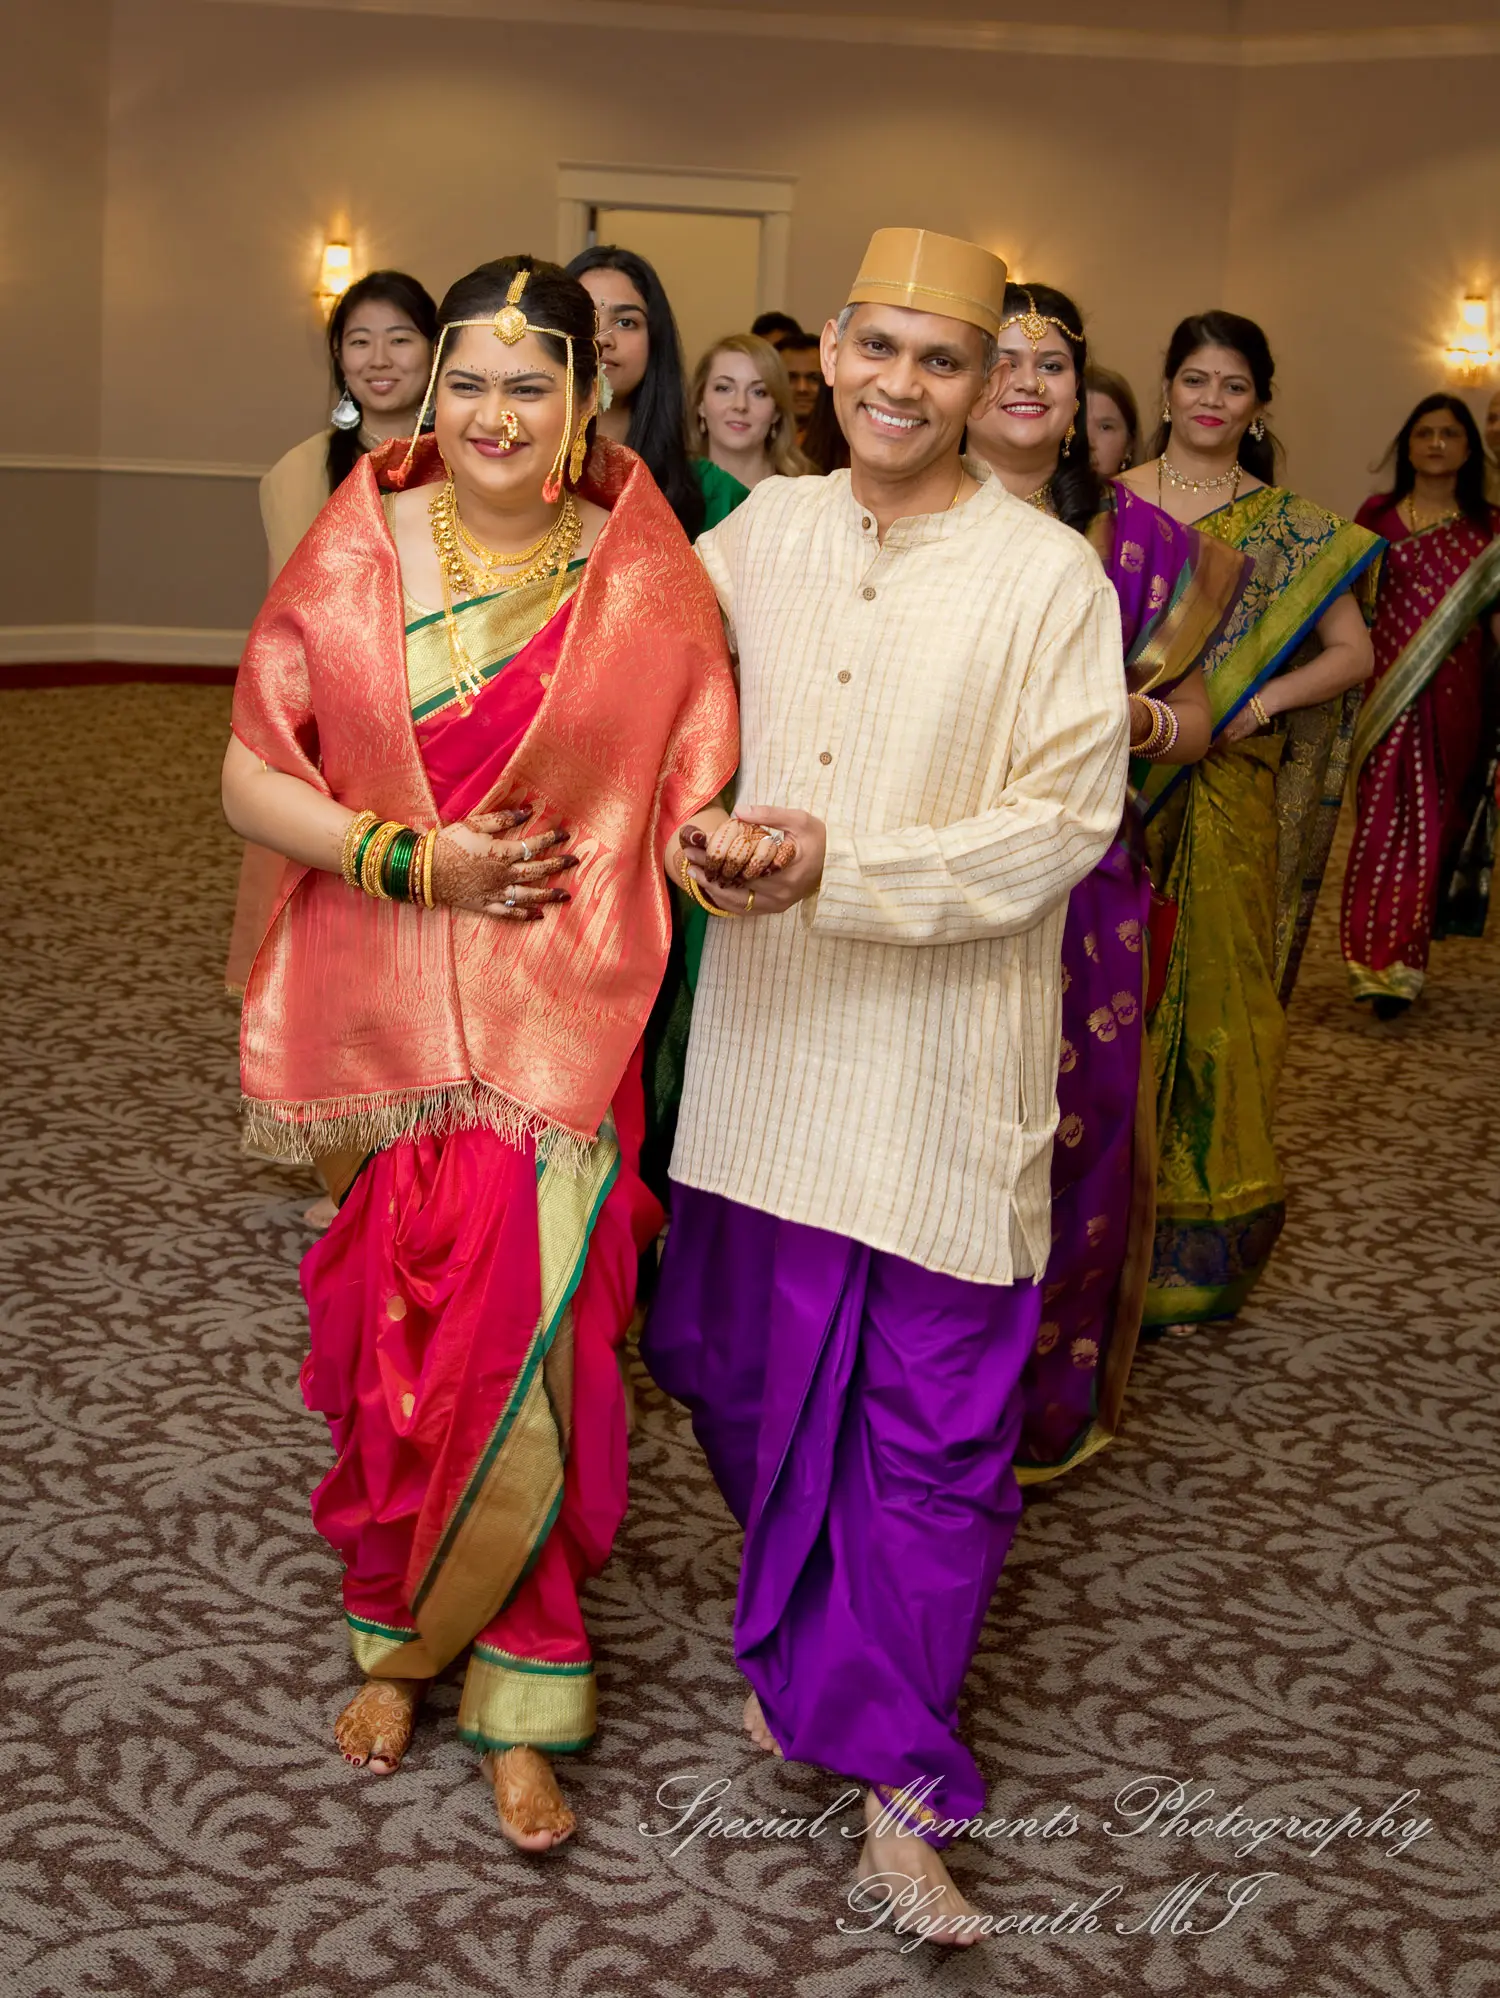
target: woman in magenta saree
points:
(447, 1015)
(1176, 592)
(1424, 745)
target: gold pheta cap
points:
(932, 273)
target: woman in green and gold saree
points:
(1240, 840)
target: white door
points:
(709, 264)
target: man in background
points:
(804, 371)
(776, 328)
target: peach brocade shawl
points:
(365, 1020)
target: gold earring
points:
(1069, 434)
(579, 453)
(1166, 412)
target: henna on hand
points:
(472, 869)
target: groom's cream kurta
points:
(882, 1061)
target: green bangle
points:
(363, 848)
(395, 872)
(410, 884)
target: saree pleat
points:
(1241, 841)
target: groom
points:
(933, 711)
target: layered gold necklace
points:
(481, 576)
(492, 570)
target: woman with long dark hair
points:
(1424, 746)
(1176, 589)
(474, 761)
(1240, 840)
(380, 337)
(642, 355)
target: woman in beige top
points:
(380, 341)
(380, 346)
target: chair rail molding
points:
(126, 644)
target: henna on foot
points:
(374, 1730)
(528, 1802)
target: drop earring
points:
(579, 453)
(1258, 429)
(347, 414)
(1069, 434)
(1166, 413)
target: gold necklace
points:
(1165, 468)
(554, 550)
(1041, 499)
(554, 555)
(1407, 509)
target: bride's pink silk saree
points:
(465, 1311)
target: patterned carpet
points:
(1280, 1586)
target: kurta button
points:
(844, 677)
(868, 593)
(826, 757)
(866, 521)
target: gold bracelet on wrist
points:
(429, 850)
(1258, 708)
(370, 874)
(349, 855)
(709, 908)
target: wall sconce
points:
(1469, 355)
(335, 275)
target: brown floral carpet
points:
(1279, 1588)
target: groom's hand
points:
(780, 887)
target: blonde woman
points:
(742, 404)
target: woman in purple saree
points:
(1176, 590)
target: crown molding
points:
(1456, 42)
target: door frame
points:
(583, 186)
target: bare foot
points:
(936, 1910)
(755, 1726)
(322, 1214)
(375, 1728)
(532, 1813)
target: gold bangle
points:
(358, 827)
(708, 907)
(1258, 708)
(429, 853)
(374, 863)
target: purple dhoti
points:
(860, 1415)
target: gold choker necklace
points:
(1166, 469)
(1041, 499)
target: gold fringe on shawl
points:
(303, 1133)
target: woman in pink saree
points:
(478, 704)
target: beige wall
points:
(169, 167)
